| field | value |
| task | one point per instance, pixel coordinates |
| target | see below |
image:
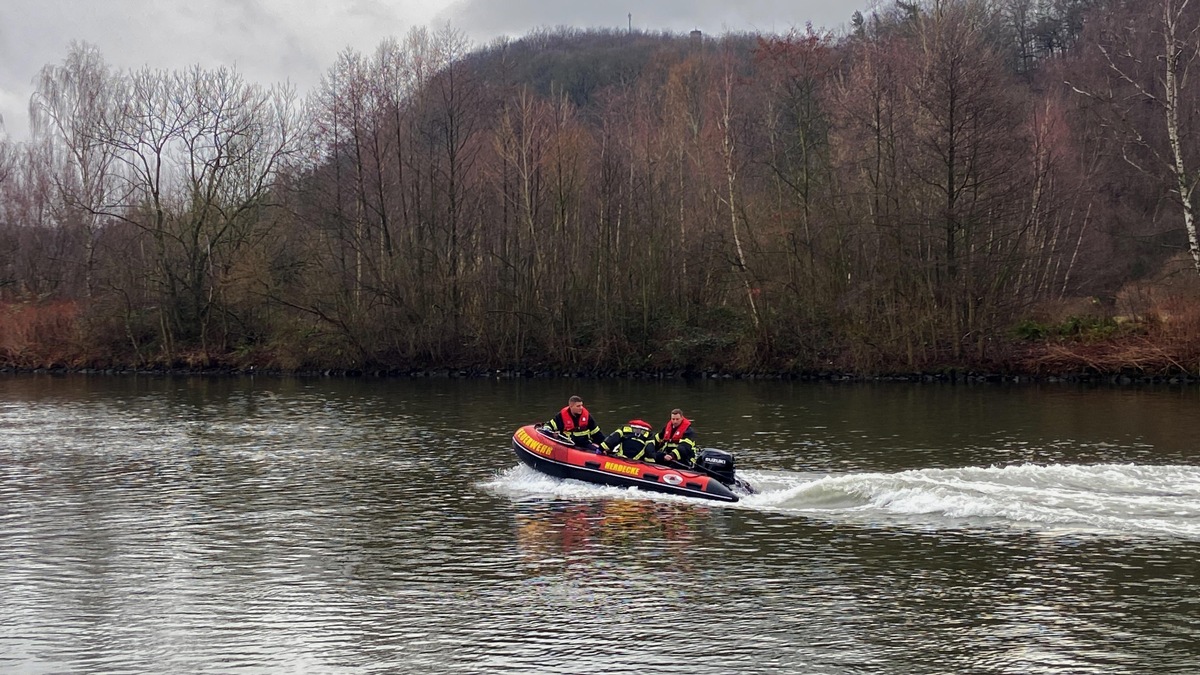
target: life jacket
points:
(569, 422)
(675, 435)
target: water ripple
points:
(214, 528)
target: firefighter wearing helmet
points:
(632, 441)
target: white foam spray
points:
(1120, 500)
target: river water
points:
(197, 525)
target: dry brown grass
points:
(39, 334)
(1135, 355)
(1159, 333)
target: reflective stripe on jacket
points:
(630, 444)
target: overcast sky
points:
(298, 40)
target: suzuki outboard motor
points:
(718, 464)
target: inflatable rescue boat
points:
(553, 454)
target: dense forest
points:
(949, 186)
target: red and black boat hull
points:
(550, 456)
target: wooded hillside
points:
(998, 185)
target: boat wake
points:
(1104, 499)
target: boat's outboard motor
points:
(718, 464)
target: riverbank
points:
(951, 376)
(1153, 346)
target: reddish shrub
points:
(38, 334)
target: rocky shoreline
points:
(949, 377)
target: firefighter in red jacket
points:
(577, 424)
(676, 442)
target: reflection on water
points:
(196, 525)
(645, 536)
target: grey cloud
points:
(482, 19)
(297, 40)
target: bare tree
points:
(344, 120)
(32, 248)
(70, 109)
(450, 128)
(521, 139)
(1140, 75)
(797, 69)
(6, 159)
(967, 129)
(200, 153)
(725, 121)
